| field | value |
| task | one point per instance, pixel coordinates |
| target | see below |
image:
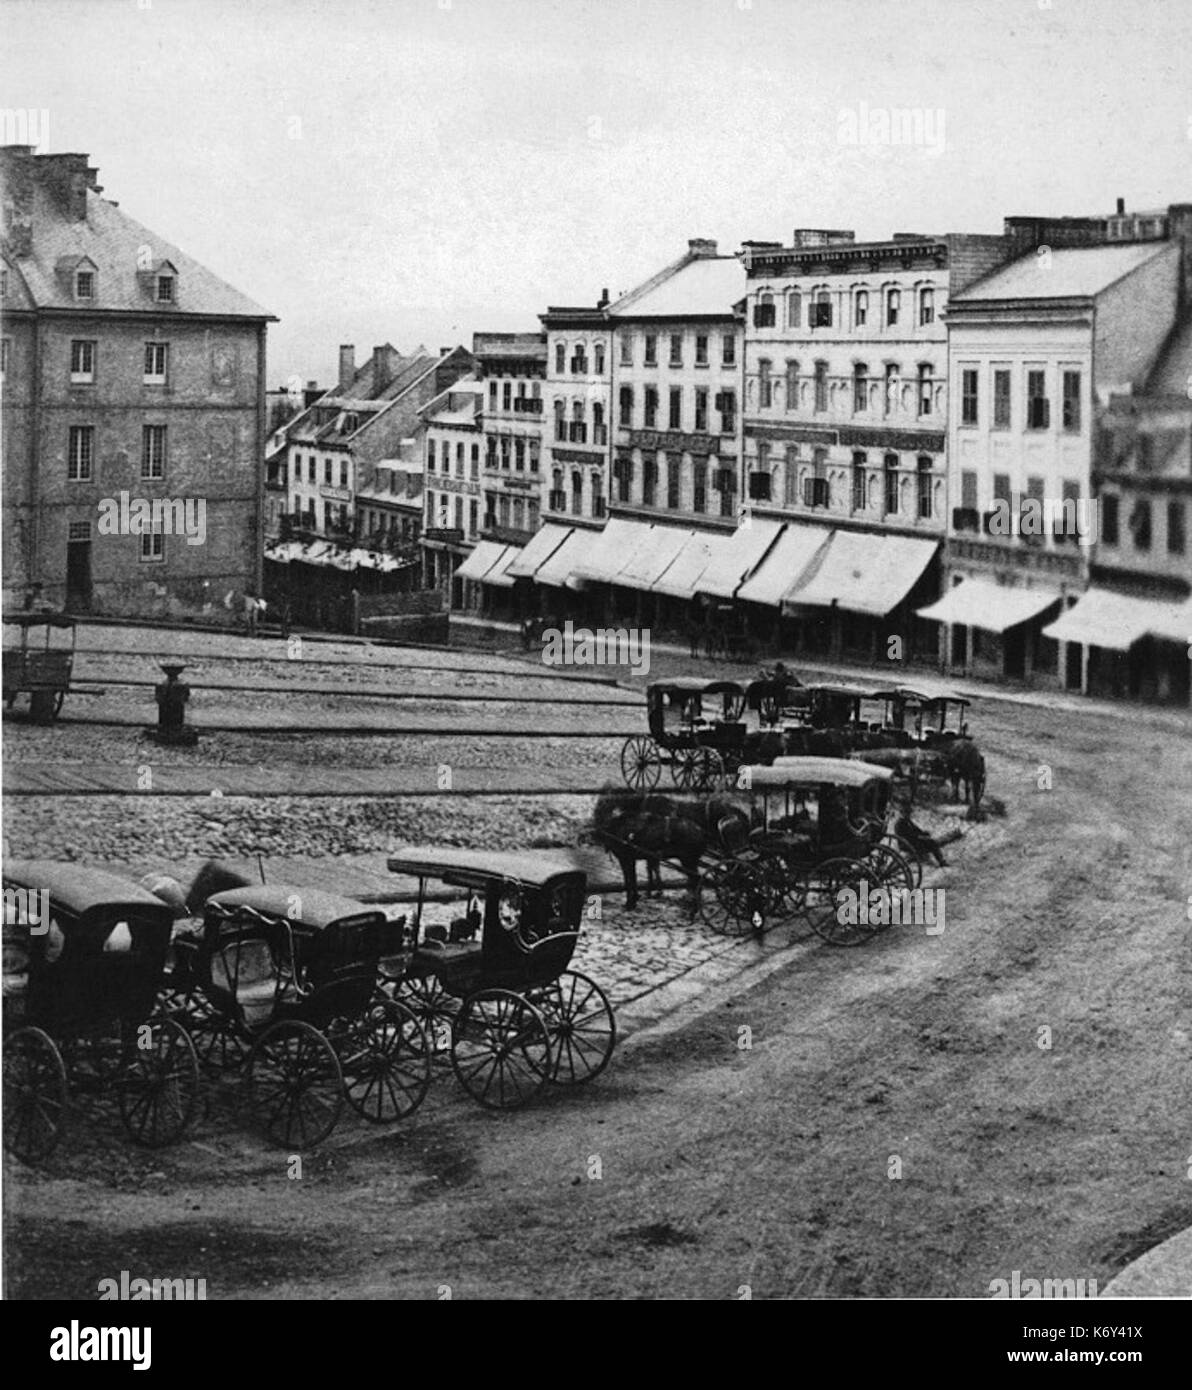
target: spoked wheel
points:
(433, 1006)
(583, 1031)
(296, 1087)
(641, 762)
(219, 1040)
(682, 767)
(500, 1048)
(707, 771)
(909, 853)
(158, 1085)
(34, 1095)
(783, 889)
(385, 1059)
(889, 869)
(733, 901)
(826, 905)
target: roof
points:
(559, 570)
(1076, 273)
(309, 907)
(741, 553)
(499, 574)
(681, 577)
(610, 551)
(1102, 618)
(863, 573)
(484, 557)
(80, 887)
(113, 241)
(991, 607)
(833, 772)
(653, 549)
(786, 561)
(1173, 371)
(697, 287)
(540, 547)
(533, 870)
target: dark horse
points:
(965, 764)
(633, 825)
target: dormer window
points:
(165, 289)
(84, 284)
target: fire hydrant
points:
(172, 695)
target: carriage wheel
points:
(707, 771)
(500, 1048)
(733, 902)
(433, 1006)
(583, 1031)
(783, 889)
(822, 906)
(158, 1085)
(385, 1059)
(682, 767)
(295, 1084)
(890, 868)
(34, 1095)
(908, 852)
(641, 765)
(219, 1041)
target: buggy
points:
(84, 955)
(40, 668)
(493, 984)
(696, 729)
(283, 983)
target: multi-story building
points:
(846, 400)
(576, 442)
(513, 369)
(453, 443)
(131, 374)
(1035, 350)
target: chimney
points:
(1121, 207)
(701, 246)
(347, 364)
(385, 362)
(68, 177)
(17, 184)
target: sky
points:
(416, 170)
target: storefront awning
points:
(542, 545)
(1174, 623)
(785, 564)
(991, 607)
(743, 551)
(499, 574)
(559, 570)
(863, 573)
(651, 556)
(682, 576)
(481, 560)
(612, 550)
(1102, 618)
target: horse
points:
(632, 825)
(965, 764)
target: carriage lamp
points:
(172, 695)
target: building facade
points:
(452, 446)
(131, 374)
(576, 435)
(513, 369)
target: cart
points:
(40, 664)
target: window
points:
(84, 284)
(925, 385)
(1001, 398)
(165, 289)
(577, 492)
(676, 349)
(80, 453)
(1038, 408)
(926, 307)
(701, 349)
(792, 385)
(728, 350)
(699, 492)
(821, 386)
(675, 415)
(925, 481)
(726, 484)
(153, 451)
(579, 430)
(817, 489)
(726, 403)
(858, 499)
(507, 395)
(82, 360)
(701, 410)
(579, 360)
(968, 396)
(759, 479)
(860, 388)
(328, 476)
(599, 433)
(157, 360)
(651, 407)
(430, 457)
(473, 516)
(625, 401)
(1140, 524)
(794, 309)
(492, 395)
(623, 477)
(153, 546)
(343, 467)
(674, 465)
(763, 314)
(597, 499)
(560, 358)
(649, 481)
(78, 531)
(598, 356)
(965, 517)
(890, 464)
(475, 461)
(651, 349)
(893, 305)
(1071, 402)
(558, 503)
(861, 309)
(891, 388)
(791, 489)
(765, 390)
(1034, 496)
(821, 310)
(560, 421)
(1176, 533)
(626, 350)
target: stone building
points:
(132, 374)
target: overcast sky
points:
(414, 170)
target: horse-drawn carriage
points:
(491, 978)
(40, 666)
(84, 956)
(283, 983)
(696, 729)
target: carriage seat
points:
(255, 984)
(437, 957)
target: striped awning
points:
(861, 572)
(991, 607)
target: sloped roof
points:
(113, 241)
(698, 287)
(1076, 273)
(1173, 371)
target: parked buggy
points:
(40, 664)
(492, 981)
(696, 729)
(283, 983)
(84, 955)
